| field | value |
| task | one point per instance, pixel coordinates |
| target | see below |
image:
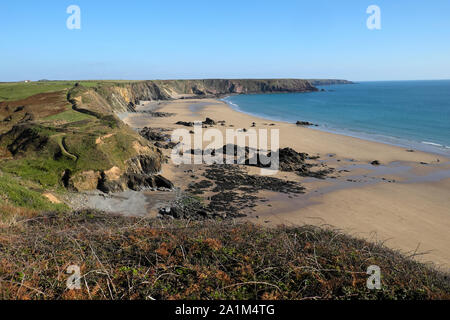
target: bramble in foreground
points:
(140, 258)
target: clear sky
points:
(224, 39)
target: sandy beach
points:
(403, 201)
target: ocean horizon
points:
(410, 114)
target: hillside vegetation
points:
(130, 258)
(11, 91)
(70, 139)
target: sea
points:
(410, 114)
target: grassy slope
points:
(68, 116)
(70, 140)
(15, 192)
(128, 258)
(56, 139)
(46, 165)
(10, 91)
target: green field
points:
(11, 91)
(69, 116)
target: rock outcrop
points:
(141, 173)
(305, 123)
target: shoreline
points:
(321, 129)
(405, 199)
(422, 146)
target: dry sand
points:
(412, 213)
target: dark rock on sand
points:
(199, 187)
(188, 207)
(305, 123)
(375, 163)
(158, 114)
(154, 134)
(160, 139)
(289, 160)
(168, 145)
(207, 122)
(293, 161)
(140, 182)
(232, 178)
(234, 189)
(185, 123)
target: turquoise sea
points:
(411, 114)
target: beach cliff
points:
(124, 95)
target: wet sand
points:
(404, 201)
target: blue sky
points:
(225, 39)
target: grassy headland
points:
(65, 138)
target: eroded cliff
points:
(122, 95)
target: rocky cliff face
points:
(124, 96)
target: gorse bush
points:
(131, 258)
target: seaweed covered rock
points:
(158, 137)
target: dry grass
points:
(11, 215)
(130, 258)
